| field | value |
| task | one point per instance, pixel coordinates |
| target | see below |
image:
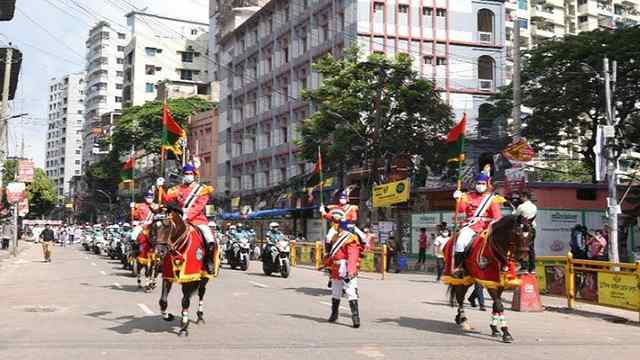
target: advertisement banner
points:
(235, 203)
(15, 192)
(391, 193)
(25, 171)
(368, 262)
(23, 207)
(619, 290)
(519, 151)
(553, 232)
(587, 285)
(555, 279)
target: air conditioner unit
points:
(485, 85)
(485, 37)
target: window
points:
(378, 7)
(428, 59)
(77, 162)
(523, 4)
(77, 152)
(441, 60)
(583, 19)
(120, 48)
(120, 61)
(186, 74)
(187, 57)
(403, 9)
(119, 73)
(122, 36)
(427, 11)
(441, 12)
(118, 99)
(486, 70)
(118, 86)
(149, 69)
(485, 25)
(194, 31)
(152, 51)
(485, 122)
(148, 87)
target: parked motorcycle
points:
(237, 251)
(275, 255)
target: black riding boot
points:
(335, 308)
(208, 258)
(458, 264)
(355, 314)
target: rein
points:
(179, 241)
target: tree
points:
(369, 110)
(41, 193)
(566, 96)
(564, 171)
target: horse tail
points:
(452, 295)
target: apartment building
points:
(160, 49)
(103, 95)
(265, 63)
(64, 133)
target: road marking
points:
(117, 285)
(86, 258)
(258, 284)
(145, 309)
(102, 272)
(329, 304)
(93, 264)
(370, 352)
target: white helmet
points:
(232, 227)
(274, 225)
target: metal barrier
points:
(603, 283)
(312, 253)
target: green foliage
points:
(567, 98)
(141, 125)
(346, 125)
(564, 171)
(41, 192)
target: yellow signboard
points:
(619, 290)
(305, 255)
(368, 262)
(391, 193)
(235, 203)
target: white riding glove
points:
(457, 194)
(160, 181)
(342, 270)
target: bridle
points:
(506, 254)
(166, 220)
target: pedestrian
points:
(6, 236)
(596, 246)
(423, 243)
(529, 210)
(477, 294)
(578, 242)
(391, 252)
(438, 250)
(48, 237)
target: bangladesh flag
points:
(173, 136)
(455, 142)
(126, 173)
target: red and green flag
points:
(455, 142)
(173, 136)
(126, 172)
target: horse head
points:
(168, 229)
(510, 238)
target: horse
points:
(147, 263)
(181, 249)
(493, 251)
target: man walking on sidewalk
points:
(47, 237)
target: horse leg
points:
(461, 318)
(202, 289)
(496, 311)
(506, 335)
(187, 290)
(166, 289)
(139, 275)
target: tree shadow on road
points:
(129, 324)
(316, 319)
(126, 288)
(311, 291)
(435, 326)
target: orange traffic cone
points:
(526, 298)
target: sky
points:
(51, 35)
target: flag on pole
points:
(455, 142)
(126, 173)
(173, 136)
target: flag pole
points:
(133, 179)
(321, 178)
(461, 159)
(162, 149)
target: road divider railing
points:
(604, 283)
(312, 253)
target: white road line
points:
(93, 264)
(145, 309)
(117, 285)
(86, 258)
(102, 272)
(258, 284)
(329, 304)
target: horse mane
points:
(504, 223)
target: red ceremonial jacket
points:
(350, 212)
(469, 203)
(351, 253)
(195, 213)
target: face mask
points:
(148, 201)
(188, 179)
(481, 188)
(343, 201)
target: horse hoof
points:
(183, 333)
(466, 326)
(457, 320)
(200, 318)
(495, 332)
(169, 317)
(507, 338)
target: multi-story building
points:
(163, 48)
(203, 143)
(103, 95)
(265, 63)
(64, 134)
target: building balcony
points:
(542, 32)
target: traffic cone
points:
(526, 298)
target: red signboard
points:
(15, 192)
(519, 151)
(25, 171)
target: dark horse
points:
(182, 250)
(506, 241)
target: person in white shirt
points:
(438, 246)
(529, 211)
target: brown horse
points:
(182, 250)
(491, 254)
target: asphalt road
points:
(82, 306)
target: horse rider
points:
(344, 261)
(343, 212)
(480, 207)
(143, 215)
(192, 197)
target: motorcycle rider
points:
(192, 197)
(480, 208)
(274, 233)
(344, 262)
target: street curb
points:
(25, 245)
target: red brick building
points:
(203, 143)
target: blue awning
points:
(263, 214)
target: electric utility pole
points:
(613, 209)
(4, 110)
(517, 67)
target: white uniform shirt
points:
(528, 210)
(438, 246)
